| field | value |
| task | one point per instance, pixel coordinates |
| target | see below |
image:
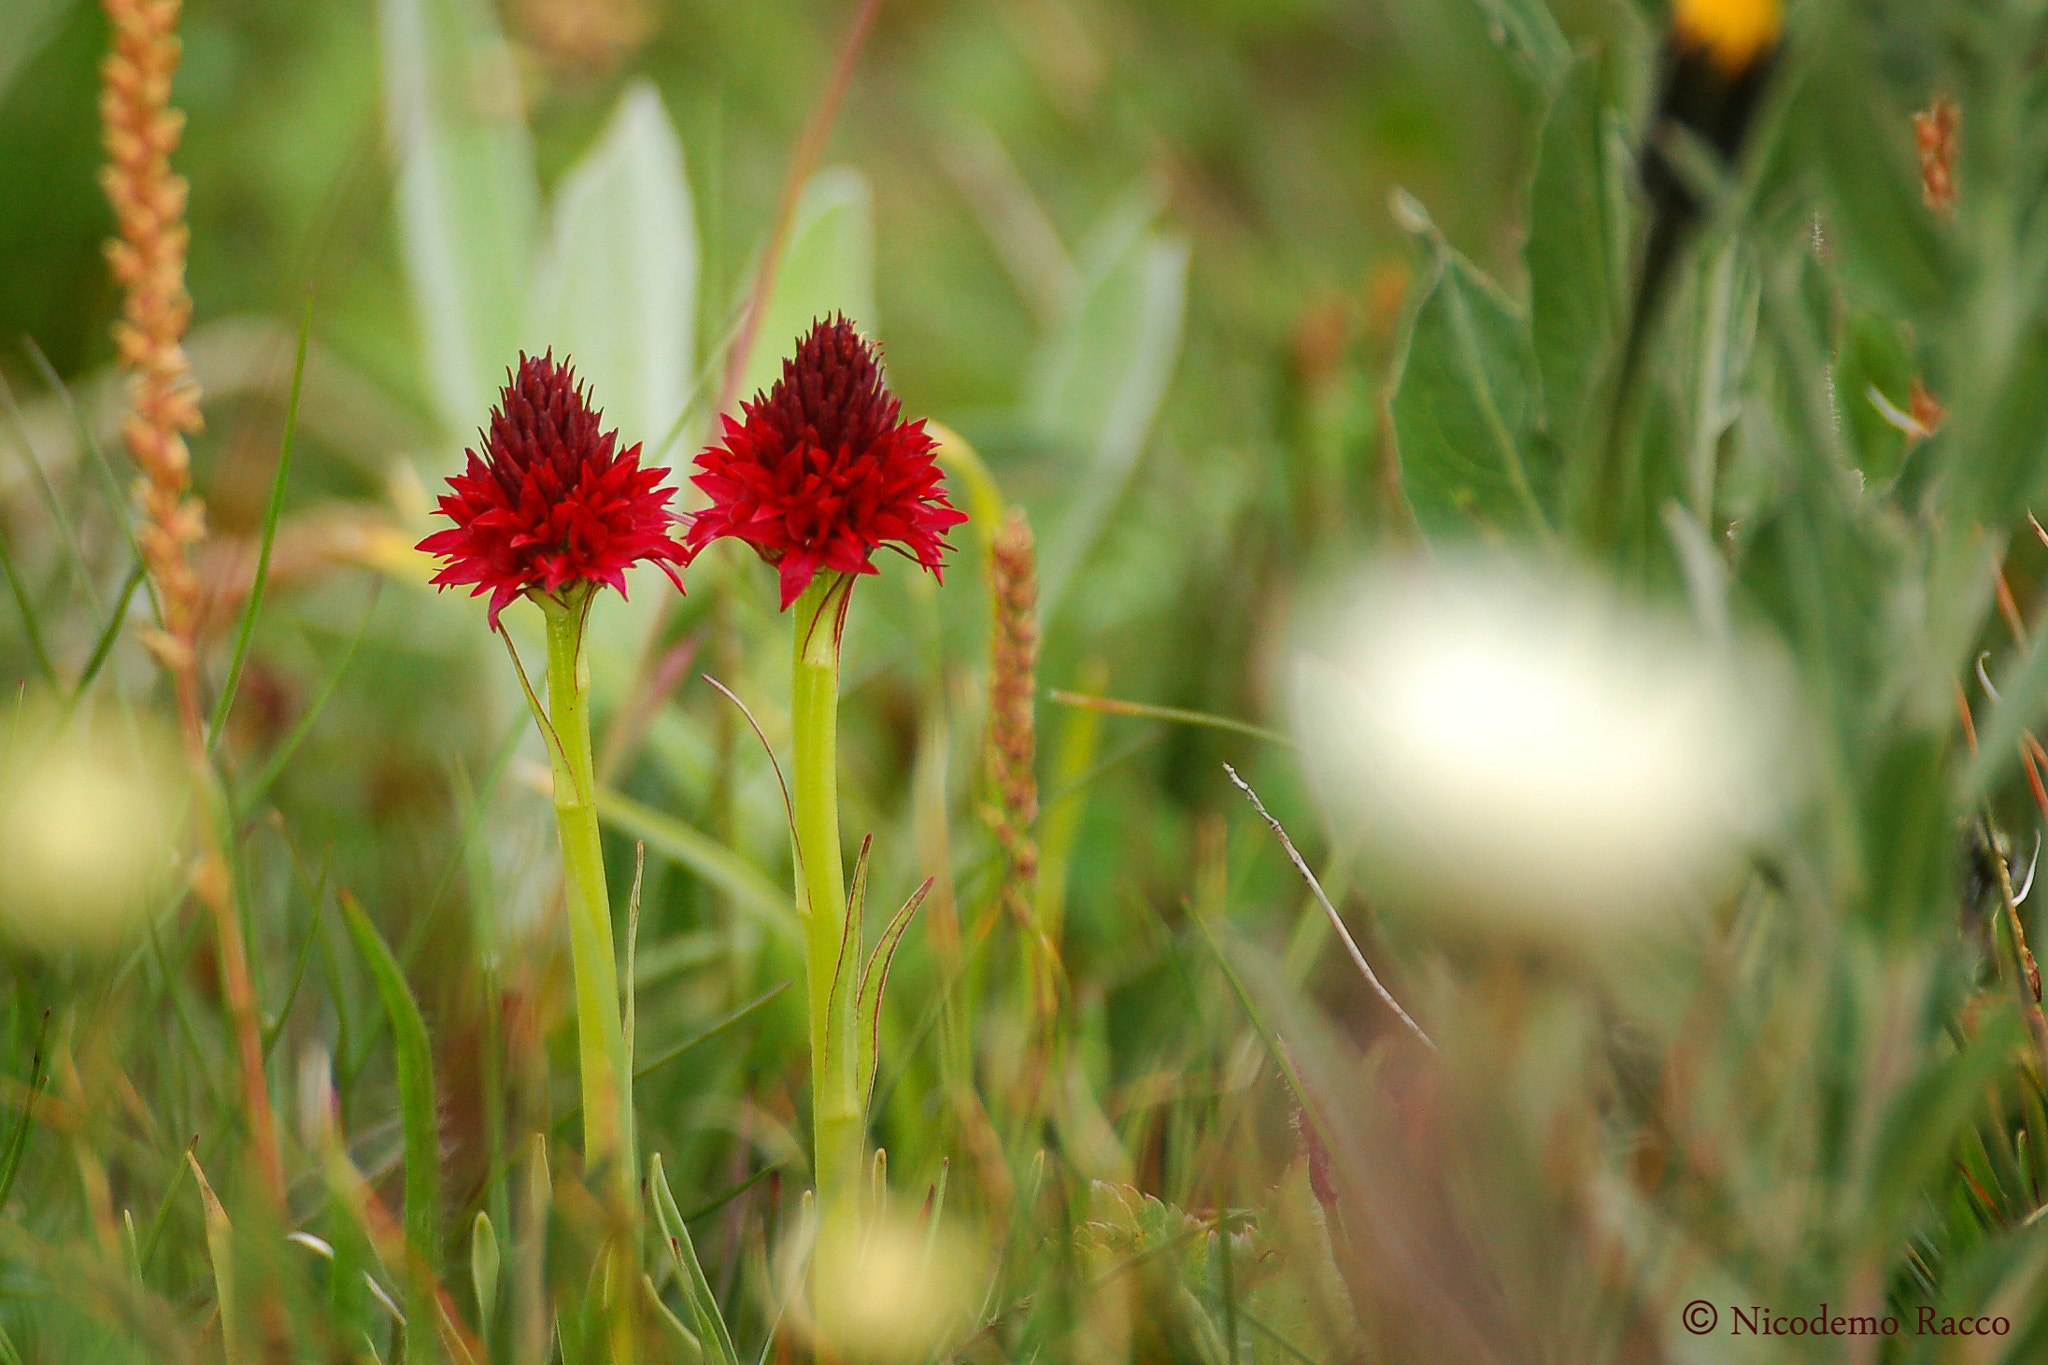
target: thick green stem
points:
(600, 1036)
(838, 1123)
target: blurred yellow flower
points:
(91, 810)
(1734, 33)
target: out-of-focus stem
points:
(836, 1109)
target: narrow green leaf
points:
(728, 1194)
(1465, 413)
(163, 1212)
(1059, 823)
(1172, 714)
(30, 629)
(706, 1035)
(291, 994)
(689, 1350)
(484, 1262)
(247, 630)
(874, 979)
(220, 1248)
(630, 990)
(38, 1077)
(846, 967)
(703, 1304)
(111, 632)
(417, 1113)
(934, 1213)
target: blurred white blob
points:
(91, 809)
(1522, 747)
(893, 1291)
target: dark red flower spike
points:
(822, 472)
(552, 502)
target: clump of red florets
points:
(822, 471)
(552, 502)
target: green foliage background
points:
(1228, 294)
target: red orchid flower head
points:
(551, 502)
(822, 471)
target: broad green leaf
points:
(1528, 33)
(1883, 237)
(2000, 432)
(828, 266)
(1574, 254)
(1100, 377)
(616, 288)
(1465, 412)
(418, 1116)
(467, 197)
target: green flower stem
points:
(600, 1036)
(839, 1135)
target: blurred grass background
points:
(1140, 254)
(998, 140)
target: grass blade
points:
(112, 632)
(705, 1036)
(291, 995)
(220, 1249)
(29, 627)
(17, 1144)
(1177, 715)
(163, 1210)
(254, 791)
(415, 1096)
(74, 549)
(716, 864)
(117, 500)
(271, 515)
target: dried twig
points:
(1371, 977)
